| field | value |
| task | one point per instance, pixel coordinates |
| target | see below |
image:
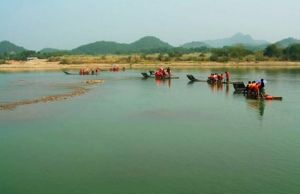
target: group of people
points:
(162, 73)
(89, 71)
(215, 77)
(255, 88)
(117, 68)
(95, 71)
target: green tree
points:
(292, 52)
(273, 51)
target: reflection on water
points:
(227, 88)
(257, 105)
(216, 87)
(160, 82)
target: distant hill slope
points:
(238, 38)
(8, 47)
(194, 44)
(105, 47)
(101, 47)
(287, 42)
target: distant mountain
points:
(148, 43)
(238, 38)
(194, 44)
(104, 47)
(8, 47)
(287, 42)
(49, 50)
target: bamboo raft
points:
(193, 79)
(151, 75)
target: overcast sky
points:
(66, 24)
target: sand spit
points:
(95, 81)
(77, 91)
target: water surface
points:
(130, 135)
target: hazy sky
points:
(66, 24)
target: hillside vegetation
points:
(151, 49)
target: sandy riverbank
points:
(44, 65)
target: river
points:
(136, 136)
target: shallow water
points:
(130, 135)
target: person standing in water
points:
(227, 75)
(168, 72)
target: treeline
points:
(24, 55)
(291, 53)
(225, 54)
(271, 52)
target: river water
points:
(136, 136)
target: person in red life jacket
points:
(163, 72)
(227, 75)
(220, 79)
(159, 74)
(256, 89)
(215, 77)
(97, 70)
(251, 89)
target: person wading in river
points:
(227, 75)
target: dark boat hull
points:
(68, 73)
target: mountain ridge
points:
(152, 43)
(110, 47)
(287, 42)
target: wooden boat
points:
(193, 79)
(146, 76)
(265, 97)
(68, 73)
(239, 87)
(273, 98)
